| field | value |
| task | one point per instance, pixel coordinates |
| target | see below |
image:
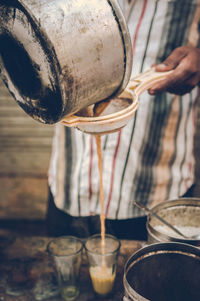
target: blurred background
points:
(25, 149)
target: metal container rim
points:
(154, 249)
(169, 204)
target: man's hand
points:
(185, 61)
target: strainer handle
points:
(70, 121)
(144, 81)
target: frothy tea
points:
(102, 279)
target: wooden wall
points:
(25, 148)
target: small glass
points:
(102, 262)
(66, 252)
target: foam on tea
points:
(111, 106)
(105, 107)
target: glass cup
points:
(66, 252)
(102, 262)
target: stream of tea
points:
(101, 194)
(102, 276)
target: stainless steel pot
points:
(183, 213)
(163, 272)
(58, 56)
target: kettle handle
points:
(144, 80)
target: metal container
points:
(163, 272)
(58, 56)
(183, 213)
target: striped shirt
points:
(151, 159)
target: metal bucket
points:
(183, 213)
(163, 272)
(58, 56)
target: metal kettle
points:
(59, 56)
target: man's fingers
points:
(162, 67)
(171, 61)
(185, 63)
(183, 75)
(172, 80)
(179, 88)
(176, 89)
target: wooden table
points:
(27, 273)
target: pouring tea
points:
(57, 57)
